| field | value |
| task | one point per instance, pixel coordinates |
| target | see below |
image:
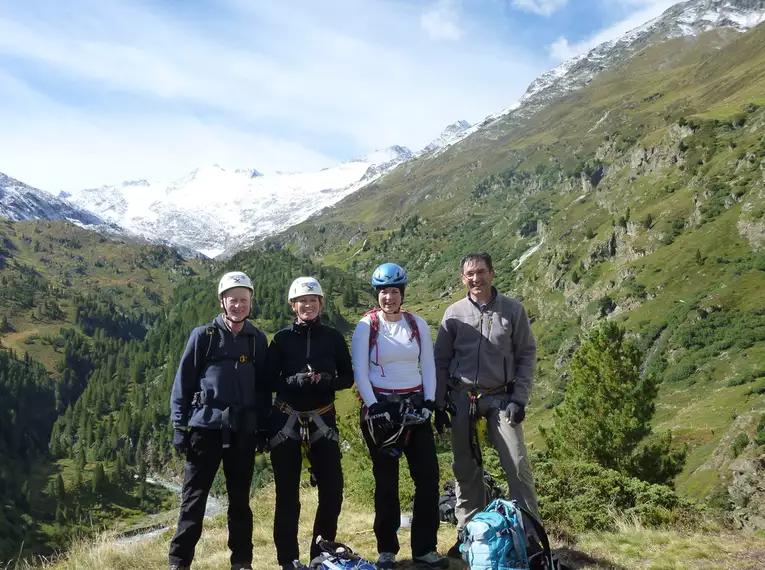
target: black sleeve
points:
(262, 380)
(343, 365)
(274, 366)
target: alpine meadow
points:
(628, 216)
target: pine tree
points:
(99, 478)
(607, 408)
(60, 488)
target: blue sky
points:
(99, 91)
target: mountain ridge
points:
(19, 201)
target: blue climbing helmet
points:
(389, 275)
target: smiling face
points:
(389, 299)
(477, 278)
(306, 307)
(236, 303)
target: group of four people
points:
(222, 408)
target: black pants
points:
(420, 451)
(205, 455)
(287, 462)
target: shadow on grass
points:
(575, 559)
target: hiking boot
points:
(432, 559)
(386, 560)
(454, 551)
(241, 566)
(178, 567)
(294, 565)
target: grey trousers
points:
(507, 439)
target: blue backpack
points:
(505, 536)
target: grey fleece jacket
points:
(485, 347)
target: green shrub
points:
(739, 444)
(759, 434)
(581, 495)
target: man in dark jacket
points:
(219, 404)
(308, 362)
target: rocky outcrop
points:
(747, 492)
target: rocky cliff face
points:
(747, 492)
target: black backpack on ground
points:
(448, 500)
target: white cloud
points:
(541, 7)
(561, 50)
(109, 90)
(55, 147)
(440, 21)
(639, 12)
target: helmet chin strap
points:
(231, 320)
(396, 312)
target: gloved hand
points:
(299, 380)
(261, 442)
(322, 380)
(442, 419)
(181, 440)
(515, 412)
(379, 416)
(427, 409)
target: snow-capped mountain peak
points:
(19, 201)
(684, 19)
(386, 155)
(213, 210)
(448, 136)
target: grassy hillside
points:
(639, 198)
(49, 268)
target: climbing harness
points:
(298, 428)
(406, 410)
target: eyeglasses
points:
(477, 273)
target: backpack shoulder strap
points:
(211, 333)
(415, 329)
(374, 327)
(540, 531)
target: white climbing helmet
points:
(304, 286)
(234, 279)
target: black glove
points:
(261, 442)
(428, 407)
(515, 412)
(181, 439)
(442, 420)
(379, 415)
(299, 380)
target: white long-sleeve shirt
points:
(393, 364)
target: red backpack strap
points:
(415, 329)
(374, 328)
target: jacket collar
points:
(480, 307)
(305, 326)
